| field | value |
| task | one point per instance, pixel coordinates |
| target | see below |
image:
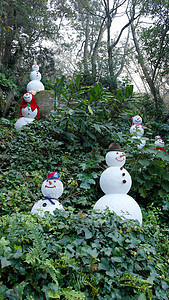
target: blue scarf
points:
(50, 199)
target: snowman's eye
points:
(117, 152)
(46, 180)
(44, 204)
(54, 180)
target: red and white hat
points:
(53, 175)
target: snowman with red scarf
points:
(159, 143)
(52, 189)
(115, 182)
(28, 111)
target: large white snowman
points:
(52, 189)
(28, 111)
(35, 84)
(116, 182)
(137, 131)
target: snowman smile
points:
(50, 187)
(119, 159)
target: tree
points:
(151, 44)
(23, 27)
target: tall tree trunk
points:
(150, 80)
(86, 43)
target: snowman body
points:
(27, 112)
(122, 204)
(35, 84)
(137, 130)
(52, 189)
(115, 182)
(22, 122)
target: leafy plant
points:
(93, 257)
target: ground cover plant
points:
(77, 254)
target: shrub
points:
(72, 256)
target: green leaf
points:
(5, 262)
(145, 162)
(104, 264)
(78, 78)
(128, 91)
(88, 234)
(142, 192)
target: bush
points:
(72, 256)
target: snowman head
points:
(27, 97)
(158, 141)
(115, 157)
(136, 120)
(35, 67)
(35, 75)
(52, 187)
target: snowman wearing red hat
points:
(52, 189)
(28, 111)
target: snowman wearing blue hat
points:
(52, 189)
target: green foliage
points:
(78, 254)
(72, 256)
(7, 82)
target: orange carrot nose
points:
(122, 155)
(50, 182)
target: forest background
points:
(89, 64)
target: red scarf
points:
(161, 148)
(33, 105)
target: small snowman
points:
(52, 189)
(28, 111)
(137, 131)
(159, 143)
(35, 84)
(116, 182)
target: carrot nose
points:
(50, 182)
(122, 155)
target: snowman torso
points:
(115, 180)
(28, 113)
(137, 129)
(43, 205)
(35, 75)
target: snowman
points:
(116, 182)
(52, 189)
(28, 111)
(137, 131)
(159, 143)
(35, 84)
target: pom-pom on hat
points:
(53, 175)
(114, 147)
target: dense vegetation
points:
(77, 254)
